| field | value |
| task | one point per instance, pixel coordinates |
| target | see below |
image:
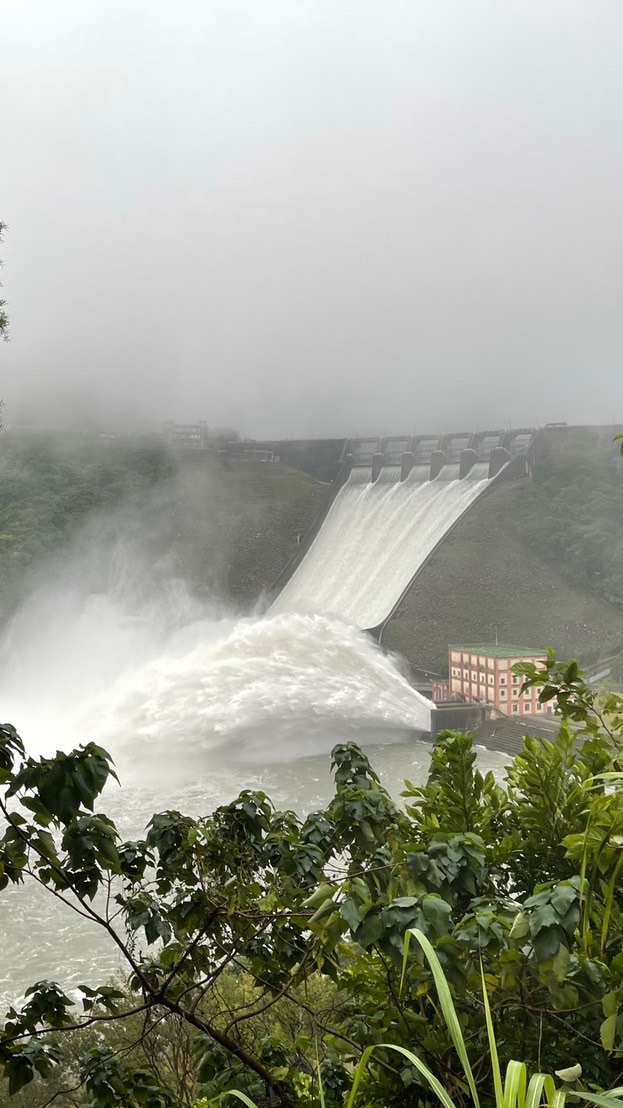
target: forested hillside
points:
(571, 513)
(50, 485)
(231, 529)
(537, 560)
(225, 530)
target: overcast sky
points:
(314, 216)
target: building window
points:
(466, 674)
(515, 680)
(539, 707)
(515, 692)
(503, 680)
(527, 707)
(515, 707)
(490, 678)
(474, 675)
(502, 694)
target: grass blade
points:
(540, 1082)
(515, 1085)
(405, 955)
(417, 1064)
(493, 1047)
(240, 1096)
(603, 1100)
(319, 1072)
(605, 927)
(448, 1009)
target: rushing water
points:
(193, 706)
(374, 539)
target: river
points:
(194, 705)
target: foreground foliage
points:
(264, 950)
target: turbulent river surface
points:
(193, 706)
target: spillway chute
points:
(378, 534)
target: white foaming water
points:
(193, 707)
(210, 705)
(375, 538)
(175, 679)
(259, 690)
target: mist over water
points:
(167, 677)
(194, 703)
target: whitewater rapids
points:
(194, 706)
(207, 691)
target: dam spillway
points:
(376, 537)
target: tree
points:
(227, 922)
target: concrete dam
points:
(395, 500)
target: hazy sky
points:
(314, 216)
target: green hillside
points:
(51, 484)
(234, 528)
(227, 530)
(486, 578)
(537, 560)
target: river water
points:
(194, 705)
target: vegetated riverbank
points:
(272, 948)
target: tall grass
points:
(513, 1089)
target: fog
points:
(306, 217)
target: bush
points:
(230, 924)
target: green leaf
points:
(370, 931)
(610, 1003)
(563, 896)
(521, 926)
(607, 1032)
(350, 913)
(570, 1073)
(602, 1100)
